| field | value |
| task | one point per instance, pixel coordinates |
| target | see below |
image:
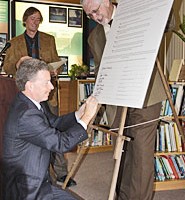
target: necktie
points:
(41, 109)
(33, 48)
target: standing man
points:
(136, 174)
(40, 45)
(31, 133)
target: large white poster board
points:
(130, 52)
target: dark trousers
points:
(136, 175)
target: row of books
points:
(99, 138)
(168, 138)
(85, 90)
(178, 98)
(169, 167)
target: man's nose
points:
(51, 86)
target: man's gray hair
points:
(27, 70)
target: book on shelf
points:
(157, 141)
(177, 92)
(175, 70)
(174, 90)
(180, 166)
(182, 109)
(167, 137)
(179, 98)
(162, 138)
(172, 136)
(164, 168)
(182, 159)
(158, 169)
(172, 157)
(85, 90)
(168, 167)
(178, 138)
(172, 166)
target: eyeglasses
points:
(94, 12)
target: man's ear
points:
(29, 86)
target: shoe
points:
(70, 183)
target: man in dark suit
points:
(31, 133)
(37, 44)
(135, 180)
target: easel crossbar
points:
(96, 127)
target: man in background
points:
(31, 133)
(136, 174)
(37, 44)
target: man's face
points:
(32, 22)
(98, 10)
(41, 86)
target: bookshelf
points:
(72, 94)
(171, 183)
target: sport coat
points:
(18, 49)
(29, 137)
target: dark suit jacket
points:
(30, 135)
(18, 49)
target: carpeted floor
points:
(94, 177)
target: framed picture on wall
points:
(58, 15)
(64, 67)
(74, 17)
(3, 40)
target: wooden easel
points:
(117, 154)
(120, 138)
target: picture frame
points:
(3, 40)
(75, 17)
(64, 67)
(57, 15)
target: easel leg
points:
(117, 154)
(74, 165)
(80, 154)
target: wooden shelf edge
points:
(95, 149)
(169, 185)
(168, 153)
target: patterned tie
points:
(33, 48)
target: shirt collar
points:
(36, 103)
(113, 13)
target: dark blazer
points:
(30, 135)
